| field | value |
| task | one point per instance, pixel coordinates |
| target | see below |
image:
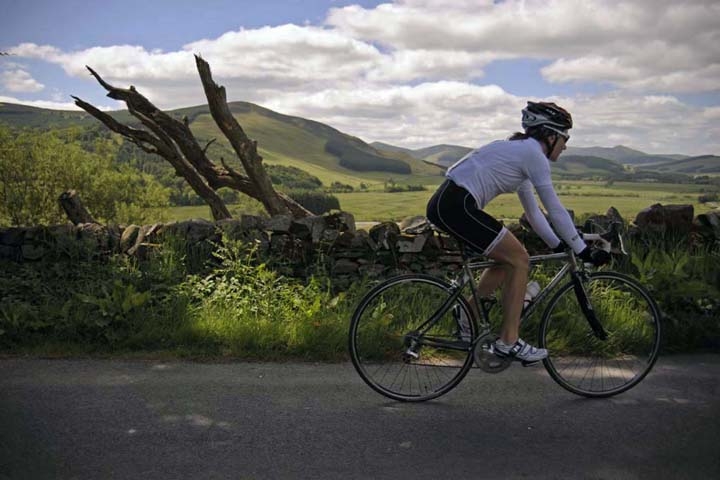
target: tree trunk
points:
(245, 148)
(74, 209)
(173, 140)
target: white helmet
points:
(546, 115)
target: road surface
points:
(145, 419)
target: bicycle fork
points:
(578, 279)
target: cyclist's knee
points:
(520, 262)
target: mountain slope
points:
(334, 156)
(306, 144)
(622, 154)
(581, 165)
(704, 164)
(442, 155)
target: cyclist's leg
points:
(454, 210)
(490, 280)
(513, 255)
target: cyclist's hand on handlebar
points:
(595, 256)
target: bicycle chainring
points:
(486, 360)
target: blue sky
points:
(642, 73)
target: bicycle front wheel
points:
(400, 357)
(587, 365)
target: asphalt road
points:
(101, 419)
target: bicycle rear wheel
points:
(390, 355)
(587, 365)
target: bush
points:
(38, 167)
(292, 178)
(708, 197)
(234, 305)
(337, 187)
(249, 310)
(317, 202)
(686, 285)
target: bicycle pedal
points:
(412, 355)
(525, 363)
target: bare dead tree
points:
(173, 140)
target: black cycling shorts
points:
(454, 210)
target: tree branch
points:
(174, 141)
(245, 148)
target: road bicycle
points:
(414, 337)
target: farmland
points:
(583, 197)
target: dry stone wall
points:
(331, 242)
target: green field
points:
(581, 197)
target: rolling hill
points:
(282, 139)
(704, 164)
(334, 156)
(583, 166)
(442, 155)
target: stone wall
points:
(330, 242)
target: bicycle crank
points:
(412, 353)
(486, 359)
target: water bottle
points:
(532, 289)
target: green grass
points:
(583, 197)
(177, 303)
(204, 301)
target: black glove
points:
(561, 248)
(595, 256)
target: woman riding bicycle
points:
(518, 164)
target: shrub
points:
(37, 167)
(708, 197)
(317, 202)
(686, 285)
(292, 178)
(337, 187)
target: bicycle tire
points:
(378, 339)
(584, 364)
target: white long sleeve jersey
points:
(517, 166)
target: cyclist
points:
(517, 164)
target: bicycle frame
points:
(467, 278)
(571, 267)
(414, 337)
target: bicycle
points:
(414, 337)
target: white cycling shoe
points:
(521, 351)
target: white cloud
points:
(18, 80)
(114, 62)
(41, 103)
(408, 72)
(659, 44)
(465, 114)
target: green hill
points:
(584, 166)
(701, 165)
(442, 155)
(312, 146)
(624, 155)
(334, 156)
(25, 116)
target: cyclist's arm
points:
(537, 220)
(560, 218)
(538, 171)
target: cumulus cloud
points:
(470, 115)
(661, 44)
(411, 72)
(18, 80)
